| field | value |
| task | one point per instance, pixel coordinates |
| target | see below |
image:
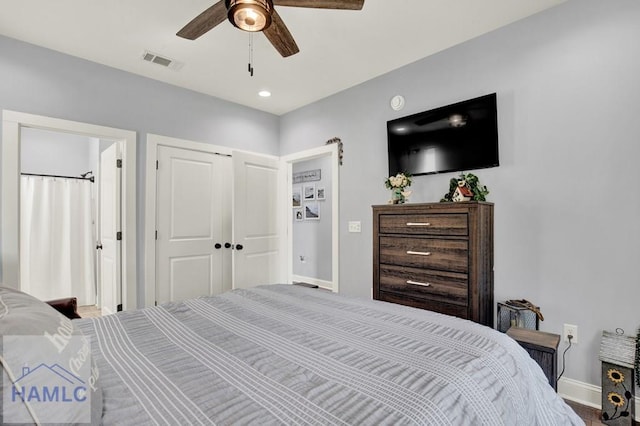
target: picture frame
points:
(320, 193)
(312, 211)
(309, 192)
(296, 197)
(298, 214)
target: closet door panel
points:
(192, 207)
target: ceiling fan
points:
(259, 15)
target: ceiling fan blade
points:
(204, 22)
(322, 4)
(280, 37)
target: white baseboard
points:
(586, 394)
(320, 283)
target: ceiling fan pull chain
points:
(250, 68)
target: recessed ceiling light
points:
(264, 93)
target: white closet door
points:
(193, 221)
(257, 257)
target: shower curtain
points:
(56, 239)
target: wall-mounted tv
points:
(458, 137)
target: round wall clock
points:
(397, 102)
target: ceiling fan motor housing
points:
(250, 15)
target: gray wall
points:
(43, 82)
(56, 153)
(566, 215)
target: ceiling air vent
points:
(162, 60)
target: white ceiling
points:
(338, 49)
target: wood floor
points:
(590, 416)
(89, 312)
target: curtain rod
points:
(62, 177)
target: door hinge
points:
(156, 303)
(119, 235)
(119, 163)
(156, 234)
(119, 307)
(157, 164)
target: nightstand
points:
(543, 349)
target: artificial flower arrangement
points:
(464, 188)
(398, 184)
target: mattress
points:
(285, 354)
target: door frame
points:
(12, 122)
(153, 141)
(310, 154)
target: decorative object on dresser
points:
(435, 256)
(617, 353)
(543, 349)
(398, 184)
(465, 188)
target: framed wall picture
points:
(298, 215)
(320, 193)
(312, 211)
(296, 197)
(309, 191)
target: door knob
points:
(239, 247)
(218, 245)
(227, 245)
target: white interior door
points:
(257, 256)
(193, 224)
(110, 273)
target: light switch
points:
(355, 226)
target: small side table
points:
(543, 349)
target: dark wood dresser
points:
(436, 256)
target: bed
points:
(285, 354)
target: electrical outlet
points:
(354, 226)
(572, 330)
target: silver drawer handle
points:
(419, 253)
(418, 224)
(418, 283)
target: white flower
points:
(398, 181)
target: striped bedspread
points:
(285, 354)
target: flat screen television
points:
(457, 137)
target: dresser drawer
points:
(422, 303)
(425, 224)
(428, 253)
(448, 287)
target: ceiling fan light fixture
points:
(250, 15)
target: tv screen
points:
(458, 137)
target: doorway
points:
(13, 124)
(313, 219)
(58, 215)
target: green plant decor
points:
(471, 182)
